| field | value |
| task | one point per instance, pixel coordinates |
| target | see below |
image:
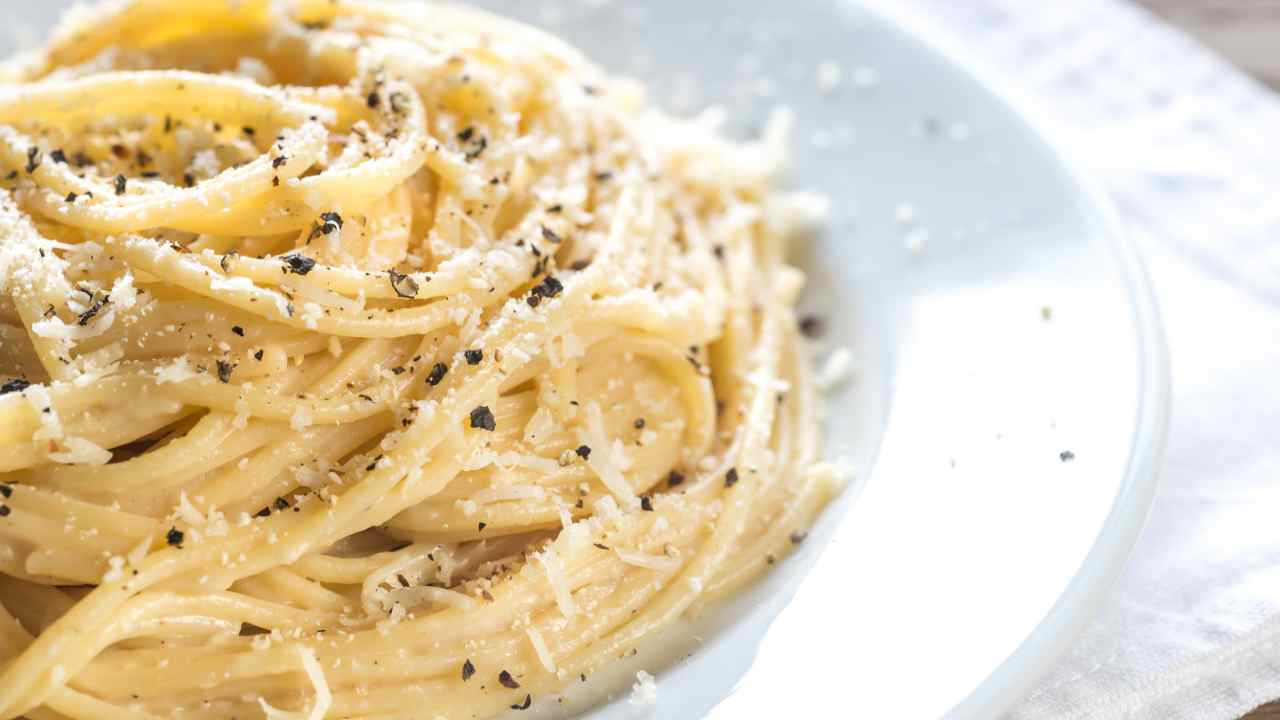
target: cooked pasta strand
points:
(352, 349)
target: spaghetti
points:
(368, 360)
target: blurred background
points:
(1247, 32)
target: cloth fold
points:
(1186, 145)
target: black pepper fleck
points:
(474, 357)
(583, 451)
(121, 184)
(646, 503)
(467, 668)
(482, 419)
(480, 146)
(507, 681)
(93, 310)
(528, 700)
(403, 285)
(174, 537)
(224, 371)
(298, 264)
(811, 326)
(731, 477)
(14, 385)
(549, 287)
(1066, 456)
(437, 374)
(674, 479)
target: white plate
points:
(973, 553)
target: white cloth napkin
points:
(1189, 149)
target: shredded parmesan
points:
(188, 512)
(555, 575)
(176, 372)
(540, 649)
(661, 563)
(836, 370)
(602, 460)
(645, 690)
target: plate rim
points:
(1092, 582)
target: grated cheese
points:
(301, 418)
(644, 691)
(836, 370)
(649, 562)
(540, 649)
(603, 461)
(176, 372)
(555, 575)
(188, 512)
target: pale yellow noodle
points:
(348, 345)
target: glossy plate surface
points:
(968, 552)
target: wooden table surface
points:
(1247, 32)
